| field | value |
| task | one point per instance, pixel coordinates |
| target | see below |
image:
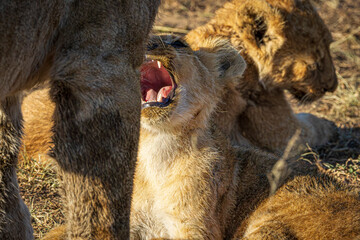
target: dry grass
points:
(347, 172)
(339, 157)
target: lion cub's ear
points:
(229, 61)
(219, 56)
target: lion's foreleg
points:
(96, 91)
(96, 129)
(14, 215)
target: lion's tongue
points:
(163, 93)
(153, 96)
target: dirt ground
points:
(340, 157)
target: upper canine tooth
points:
(159, 64)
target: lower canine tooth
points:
(159, 97)
(163, 93)
(159, 64)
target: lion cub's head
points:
(285, 39)
(180, 87)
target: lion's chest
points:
(163, 158)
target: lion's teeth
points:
(159, 97)
(159, 64)
(163, 93)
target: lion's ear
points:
(219, 56)
(229, 61)
(261, 26)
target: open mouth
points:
(157, 85)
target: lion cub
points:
(184, 180)
(286, 47)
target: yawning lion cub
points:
(183, 184)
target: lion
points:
(190, 182)
(91, 51)
(308, 207)
(286, 46)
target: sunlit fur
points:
(286, 46)
(37, 109)
(306, 208)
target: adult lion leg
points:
(14, 215)
(96, 154)
(96, 121)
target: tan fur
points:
(58, 233)
(90, 50)
(286, 46)
(308, 207)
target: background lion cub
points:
(184, 177)
(286, 46)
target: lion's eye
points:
(178, 44)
